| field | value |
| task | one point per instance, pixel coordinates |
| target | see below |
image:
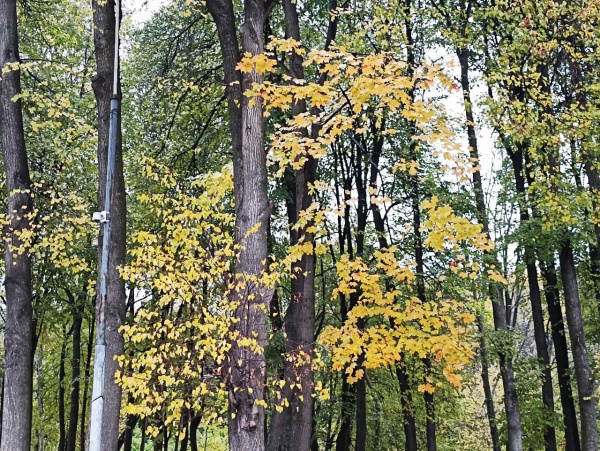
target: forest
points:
(300, 225)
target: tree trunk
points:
(361, 414)
(410, 428)
(511, 400)
(144, 437)
(487, 389)
(561, 354)
(583, 372)
(245, 382)
(535, 296)
(292, 428)
(18, 333)
(104, 47)
(86, 384)
(194, 433)
(75, 376)
(61, 396)
(344, 438)
(39, 369)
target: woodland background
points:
(336, 224)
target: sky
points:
(141, 11)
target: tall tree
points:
(245, 371)
(18, 334)
(115, 301)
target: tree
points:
(245, 368)
(18, 336)
(114, 300)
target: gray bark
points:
(291, 429)
(245, 370)
(583, 372)
(18, 335)
(511, 400)
(104, 44)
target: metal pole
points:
(103, 217)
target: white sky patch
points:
(140, 11)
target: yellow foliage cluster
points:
(180, 270)
(389, 321)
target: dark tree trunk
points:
(18, 333)
(126, 437)
(561, 353)
(104, 47)
(583, 372)
(61, 397)
(410, 428)
(86, 384)
(144, 436)
(361, 414)
(344, 438)
(487, 388)
(535, 296)
(75, 376)
(184, 441)
(430, 425)
(246, 382)
(292, 428)
(499, 311)
(194, 433)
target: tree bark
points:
(583, 372)
(292, 428)
(487, 388)
(410, 428)
(245, 369)
(499, 311)
(535, 296)
(61, 396)
(194, 433)
(18, 334)
(561, 354)
(361, 414)
(104, 47)
(75, 376)
(86, 384)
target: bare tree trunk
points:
(39, 369)
(61, 396)
(583, 372)
(535, 296)
(361, 414)
(292, 428)
(194, 433)
(18, 334)
(104, 47)
(144, 437)
(561, 353)
(245, 381)
(410, 428)
(499, 311)
(487, 388)
(75, 376)
(86, 384)
(347, 413)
